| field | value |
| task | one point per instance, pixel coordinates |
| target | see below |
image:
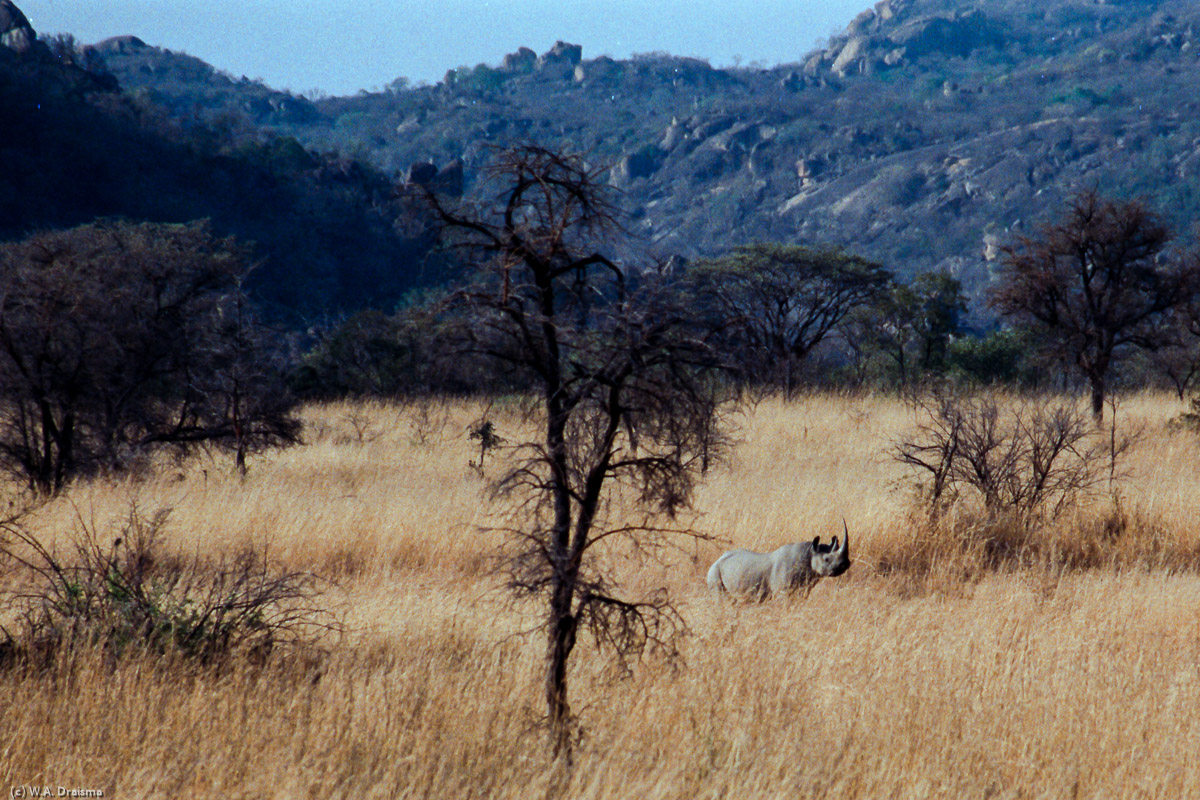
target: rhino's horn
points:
(846, 540)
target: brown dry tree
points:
(1098, 282)
(628, 404)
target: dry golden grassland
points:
(942, 681)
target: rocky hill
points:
(921, 136)
(325, 230)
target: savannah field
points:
(922, 673)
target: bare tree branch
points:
(627, 397)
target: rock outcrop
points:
(448, 180)
(560, 60)
(521, 62)
(124, 45)
(892, 34)
(598, 70)
(15, 31)
(640, 164)
(422, 173)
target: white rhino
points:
(791, 568)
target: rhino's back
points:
(742, 572)
(790, 568)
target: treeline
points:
(1102, 297)
(777, 328)
(121, 339)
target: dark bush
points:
(1002, 356)
(425, 348)
(117, 339)
(368, 355)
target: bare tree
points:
(1097, 283)
(773, 304)
(1179, 358)
(116, 338)
(1179, 361)
(626, 403)
(239, 398)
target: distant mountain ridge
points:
(326, 232)
(922, 136)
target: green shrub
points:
(1000, 357)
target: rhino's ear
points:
(816, 542)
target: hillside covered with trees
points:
(326, 236)
(920, 137)
(902, 167)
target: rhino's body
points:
(791, 568)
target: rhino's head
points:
(830, 560)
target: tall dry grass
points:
(1040, 679)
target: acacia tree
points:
(1097, 283)
(909, 326)
(773, 303)
(239, 399)
(626, 406)
(117, 338)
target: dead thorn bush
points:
(124, 594)
(1001, 483)
(1032, 458)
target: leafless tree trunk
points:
(625, 401)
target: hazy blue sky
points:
(341, 46)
